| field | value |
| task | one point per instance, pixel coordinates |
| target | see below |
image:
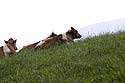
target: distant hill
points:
(103, 27)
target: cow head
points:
(11, 44)
(73, 33)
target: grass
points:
(100, 59)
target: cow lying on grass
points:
(55, 39)
(67, 37)
(8, 48)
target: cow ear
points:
(5, 41)
(72, 28)
(15, 41)
(52, 33)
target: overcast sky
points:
(29, 21)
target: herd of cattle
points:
(52, 40)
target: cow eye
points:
(76, 32)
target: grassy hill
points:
(99, 59)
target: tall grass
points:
(100, 59)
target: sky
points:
(29, 21)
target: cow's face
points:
(11, 44)
(73, 33)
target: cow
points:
(8, 48)
(67, 37)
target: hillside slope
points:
(99, 59)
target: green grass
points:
(99, 59)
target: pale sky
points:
(29, 21)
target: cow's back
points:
(31, 46)
(51, 42)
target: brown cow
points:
(67, 37)
(8, 48)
